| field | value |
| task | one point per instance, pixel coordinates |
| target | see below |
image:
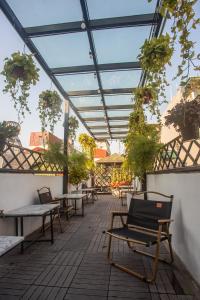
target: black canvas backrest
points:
(45, 195)
(146, 213)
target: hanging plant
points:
(73, 126)
(146, 95)
(136, 119)
(154, 56)
(184, 21)
(185, 118)
(20, 73)
(49, 107)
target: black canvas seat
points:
(147, 223)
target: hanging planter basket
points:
(49, 107)
(20, 73)
(147, 96)
(185, 117)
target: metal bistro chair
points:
(45, 197)
(147, 224)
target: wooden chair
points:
(147, 224)
(45, 197)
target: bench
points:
(9, 242)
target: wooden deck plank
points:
(75, 267)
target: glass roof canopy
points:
(89, 49)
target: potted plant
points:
(185, 117)
(73, 126)
(77, 168)
(7, 130)
(49, 107)
(20, 73)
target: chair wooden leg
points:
(109, 246)
(170, 250)
(156, 259)
(133, 273)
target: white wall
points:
(186, 214)
(17, 190)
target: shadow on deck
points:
(76, 268)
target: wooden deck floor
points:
(76, 268)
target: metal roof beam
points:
(123, 118)
(110, 107)
(97, 24)
(111, 126)
(94, 56)
(91, 68)
(119, 91)
(20, 30)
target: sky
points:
(73, 51)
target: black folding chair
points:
(45, 197)
(147, 224)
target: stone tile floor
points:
(75, 266)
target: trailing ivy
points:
(20, 73)
(73, 126)
(147, 96)
(49, 107)
(154, 56)
(184, 20)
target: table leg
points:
(16, 226)
(75, 209)
(93, 197)
(51, 221)
(22, 233)
(82, 207)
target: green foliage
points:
(154, 56)
(148, 96)
(184, 21)
(192, 85)
(55, 155)
(73, 126)
(138, 125)
(20, 73)
(49, 107)
(88, 145)
(141, 154)
(77, 167)
(7, 131)
(184, 114)
(120, 174)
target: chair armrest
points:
(165, 221)
(119, 213)
(55, 201)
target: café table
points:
(74, 197)
(30, 211)
(88, 191)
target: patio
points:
(76, 267)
